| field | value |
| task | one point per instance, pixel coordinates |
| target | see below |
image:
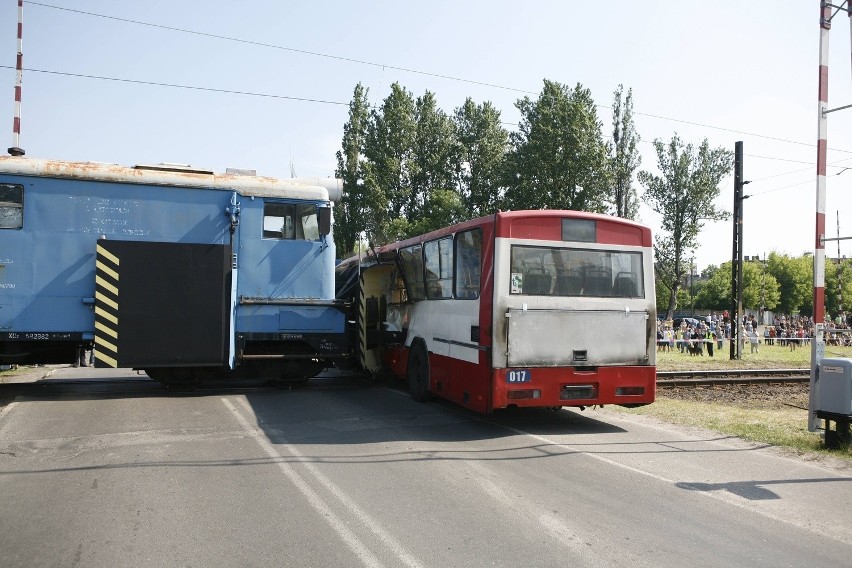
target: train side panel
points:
(257, 297)
(48, 275)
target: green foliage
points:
(482, 144)
(558, 158)
(758, 286)
(388, 151)
(352, 208)
(623, 156)
(835, 275)
(795, 278)
(683, 195)
(409, 168)
(432, 157)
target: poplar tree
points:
(387, 170)
(351, 210)
(559, 159)
(683, 195)
(624, 157)
(480, 168)
(435, 203)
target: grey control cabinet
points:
(834, 390)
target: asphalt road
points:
(344, 473)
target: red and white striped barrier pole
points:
(818, 348)
(16, 149)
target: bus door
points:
(376, 284)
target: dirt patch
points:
(745, 396)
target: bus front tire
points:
(418, 373)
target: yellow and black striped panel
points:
(106, 308)
(161, 304)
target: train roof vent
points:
(169, 167)
(240, 172)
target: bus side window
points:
(411, 262)
(468, 263)
(438, 257)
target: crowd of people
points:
(695, 335)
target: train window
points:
(438, 257)
(468, 256)
(411, 262)
(556, 271)
(11, 206)
(290, 221)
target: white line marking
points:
(725, 498)
(8, 408)
(339, 526)
(367, 557)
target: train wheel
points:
(418, 372)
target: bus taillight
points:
(523, 393)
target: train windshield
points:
(290, 221)
(558, 271)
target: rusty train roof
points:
(176, 176)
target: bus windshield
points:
(558, 271)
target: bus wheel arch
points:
(418, 371)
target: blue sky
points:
(724, 70)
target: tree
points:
(350, 212)
(759, 288)
(387, 169)
(795, 278)
(481, 153)
(624, 157)
(432, 169)
(683, 195)
(838, 273)
(558, 158)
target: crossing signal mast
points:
(16, 149)
(827, 12)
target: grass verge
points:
(764, 419)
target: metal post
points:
(737, 255)
(16, 149)
(734, 252)
(839, 270)
(818, 345)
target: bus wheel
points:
(418, 372)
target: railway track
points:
(670, 379)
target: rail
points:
(670, 379)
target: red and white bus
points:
(524, 308)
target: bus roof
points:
(508, 223)
(319, 189)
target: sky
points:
(94, 86)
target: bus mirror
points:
(324, 220)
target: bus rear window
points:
(11, 206)
(553, 271)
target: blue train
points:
(186, 274)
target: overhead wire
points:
(399, 68)
(178, 86)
